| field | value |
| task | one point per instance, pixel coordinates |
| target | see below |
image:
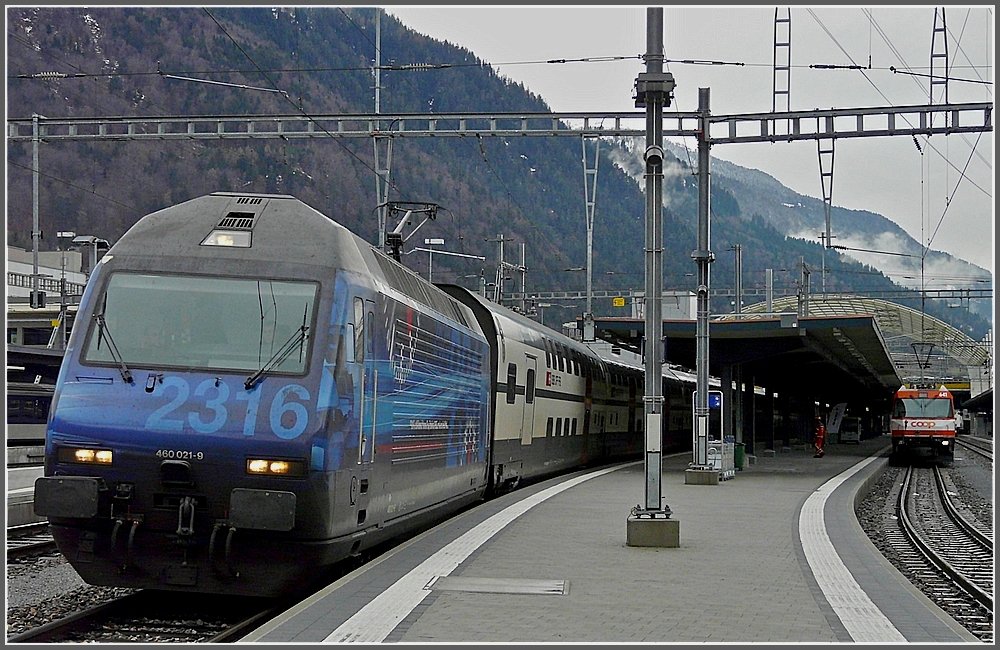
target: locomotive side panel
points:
(436, 421)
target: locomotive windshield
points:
(200, 322)
(922, 407)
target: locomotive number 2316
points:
(208, 408)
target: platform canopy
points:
(26, 362)
(923, 348)
(818, 358)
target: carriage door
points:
(528, 414)
(364, 318)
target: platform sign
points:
(714, 412)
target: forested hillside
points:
(122, 61)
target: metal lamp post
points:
(430, 255)
(94, 243)
(62, 235)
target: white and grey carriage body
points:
(555, 403)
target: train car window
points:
(529, 387)
(548, 428)
(574, 426)
(558, 427)
(511, 382)
(186, 321)
(562, 362)
(359, 330)
(370, 333)
(548, 359)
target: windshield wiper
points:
(104, 332)
(298, 337)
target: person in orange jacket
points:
(819, 438)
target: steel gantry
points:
(927, 119)
(590, 191)
(820, 125)
(781, 70)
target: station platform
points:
(773, 555)
(21, 495)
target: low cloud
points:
(628, 155)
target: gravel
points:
(877, 511)
(45, 589)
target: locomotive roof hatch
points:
(218, 231)
(236, 226)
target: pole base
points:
(701, 477)
(657, 532)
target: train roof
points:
(223, 225)
(923, 390)
(533, 329)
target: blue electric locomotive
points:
(254, 393)
(257, 393)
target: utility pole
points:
(382, 142)
(524, 272)
(738, 278)
(650, 523)
(590, 190)
(430, 255)
(939, 58)
(825, 148)
(804, 289)
(768, 290)
(498, 284)
(781, 73)
(825, 237)
(37, 300)
(703, 257)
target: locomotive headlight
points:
(86, 456)
(230, 238)
(275, 467)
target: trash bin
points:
(739, 455)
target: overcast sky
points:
(886, 175)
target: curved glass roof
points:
(921, 346)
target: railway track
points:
(152, 616)
(980, 447)
(28, 540)
(157, 617)
(951, 556)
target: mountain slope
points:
(867, 237)
(126, 61)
